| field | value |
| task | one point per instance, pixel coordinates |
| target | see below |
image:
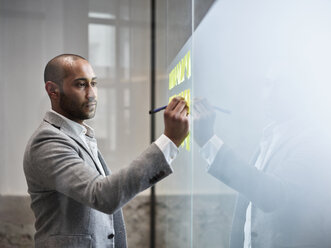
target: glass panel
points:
(125, 9)
(174, 213)
(102, 49)
(258, 73)
(103, 9)
(126, 98)
(125, 66)
(213, 202)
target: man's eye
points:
(81, 85)
(94, 84)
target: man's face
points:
(78, 92)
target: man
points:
(76, 200)
(283, 193)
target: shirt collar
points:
(77, 128)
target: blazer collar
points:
(54, 119)
(68, 126)
(279, 134)
(59, 122)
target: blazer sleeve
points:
(299, 177)
(52, 162)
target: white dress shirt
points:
(210, 149)
(266, 147)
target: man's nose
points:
(91, 92)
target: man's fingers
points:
(182, 104)
(199, 107)
(176, 120)
(206, 104)
(184, 112)
(174, 102)
(177, 107)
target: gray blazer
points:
(290, 197)
(73, 204)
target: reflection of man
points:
(281, 199)
(76, 200)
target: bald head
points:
(57, 68)
(70, 83)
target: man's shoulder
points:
(311, 138)
(46, 141)
(45, 135)
(44, 131)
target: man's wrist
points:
(168, 148)
(211, 148)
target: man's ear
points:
(52, 89)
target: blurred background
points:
(115, 37)
(133, 45)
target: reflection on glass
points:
(268, 62)
(268, 68)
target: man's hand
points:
(203, 121)
(176, 120)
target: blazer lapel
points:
(82, 144)
(276, 150)
(104, 165)
(256, 154)
(289, 130)
(61, 124)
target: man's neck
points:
(64, 114)
(68, 118)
